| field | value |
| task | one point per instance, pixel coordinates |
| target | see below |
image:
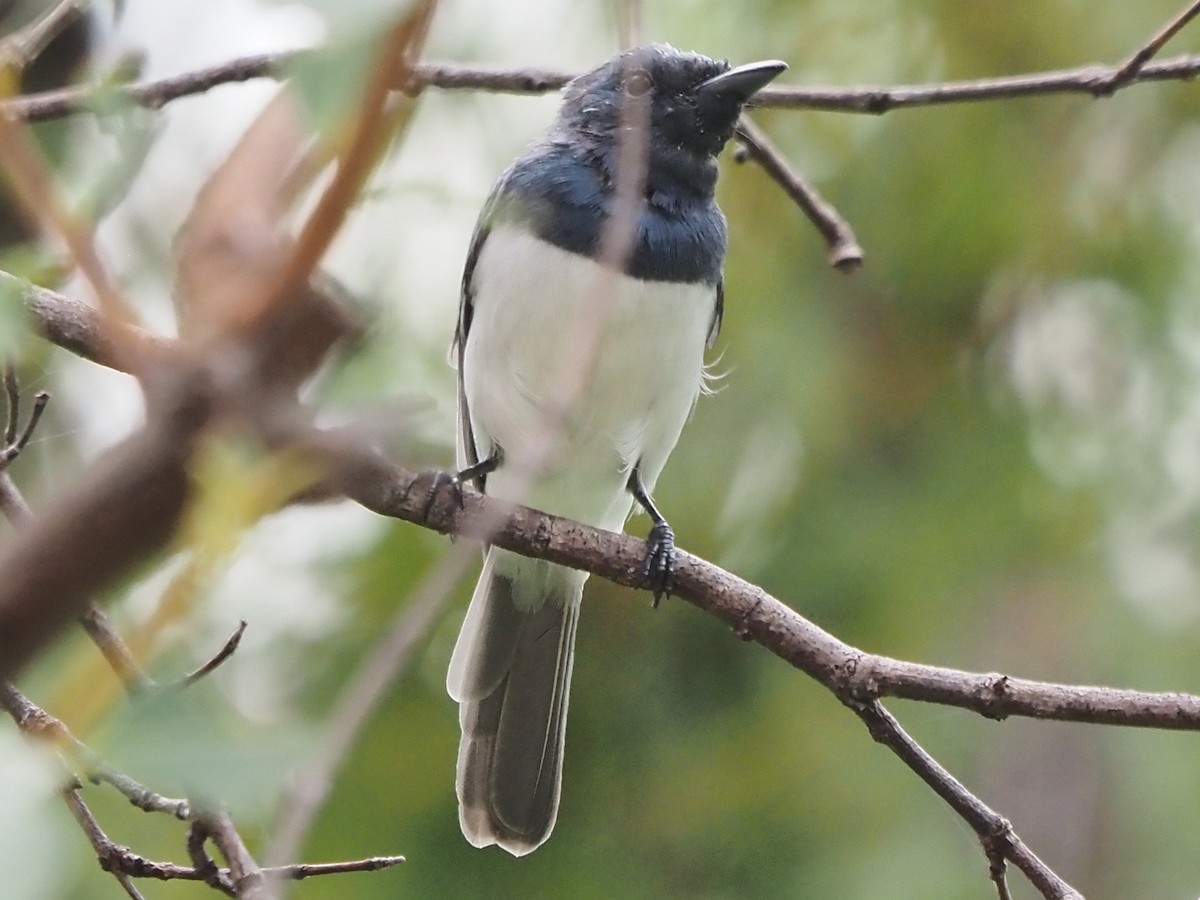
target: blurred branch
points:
(15, 508)
(32, 183)
(94, 621)
(376, 123)
(115, 651)
(631, 30)
(22, 47)
(77, 327)
(310, 786)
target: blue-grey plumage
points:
(531, 276)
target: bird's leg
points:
(658, 572)
(454, 481)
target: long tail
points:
(511, 674)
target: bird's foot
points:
(658, 571)
(440, 481)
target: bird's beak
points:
(742, 83)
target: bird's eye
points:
(638, 83)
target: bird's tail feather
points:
(511, 674)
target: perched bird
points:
(536, 269)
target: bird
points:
(538, 265)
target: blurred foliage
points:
(981, 451)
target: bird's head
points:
(692, 101)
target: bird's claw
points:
(658, 571)
(443, 480)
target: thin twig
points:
(226, 651)
(115, 651)
(993, 830)
(309, 787)
(1089, 79)
(205, 867)
(245, 875)
(307, 870)
(35, 722)
(112, 857)
(14, 447)
(121, 859)
(997, 867)
(1137, 60)
(15, 437)
(630, 22)
(12, 392)
(375, 124)
(844, 254)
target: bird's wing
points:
(468, 452)
(718, 313)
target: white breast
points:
(525, 343)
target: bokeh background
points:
(981, 451)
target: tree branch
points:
(1137, 60)
(1095, 79)
(391, 490)
(996, 835)
(844, 252)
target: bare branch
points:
(14, 448)
(206, 868)
(1089, 79)
(33, 186)
(995, 832)
(307, 870)
(245, 876)
(226, 651)
(109, 855)
(391, 490)
(1129, 69)
(12, 391)
(115, 651)
(77, 327)
(844, 254)
(34, 721)
(631, 28)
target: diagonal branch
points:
(1137, 60)
(391, 490)
(844, 252)
(1000, 842)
